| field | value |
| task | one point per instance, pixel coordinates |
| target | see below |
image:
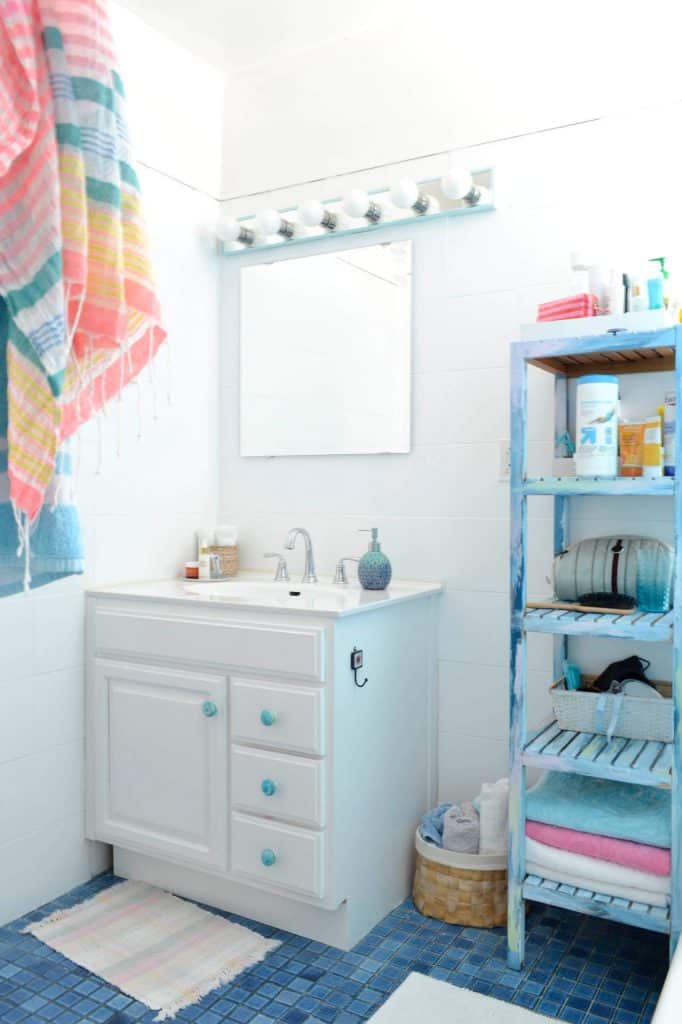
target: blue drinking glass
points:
(653, 579)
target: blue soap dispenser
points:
(374, 570)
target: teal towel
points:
(56, 548)
(616, 809)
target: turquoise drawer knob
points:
(268, 858)
(209, 708)
(268, 787)
(268, 717)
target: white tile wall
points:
(140, 511)
(175, 104)
(441, 510)
(320, 120)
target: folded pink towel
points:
(653, 859)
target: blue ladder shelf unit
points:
(633, 761)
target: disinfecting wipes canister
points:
(596, 426)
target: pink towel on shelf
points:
(571, 308)
(653, 859)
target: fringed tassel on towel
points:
(24, 548)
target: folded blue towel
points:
(432, 824)
(616, 809)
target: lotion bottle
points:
(374, 568)
(616, 293)
(639, 294)
(204, 564)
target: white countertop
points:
(258, 591)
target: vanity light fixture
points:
(313, 214)
(459, 192)
(457, 183)
(405, 195)
(270, 222)
(230, 231)
(358, 204)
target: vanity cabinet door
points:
(160, 761)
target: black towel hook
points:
(356, 663)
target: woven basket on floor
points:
(229, 558)
(460, 888)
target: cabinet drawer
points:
(278, 785)
(278, 854)
(277, 715)
(257, 646)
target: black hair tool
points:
(633, 667)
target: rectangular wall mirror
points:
(326, 353)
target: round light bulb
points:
(311, 213)
(457, 183)
(228, 230)
(356, 203)
(404, 194)
(482, 195)
(268, 221)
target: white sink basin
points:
(319, 596)
(255, 590)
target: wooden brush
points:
(593, 603)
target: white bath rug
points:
(161, 950)
(423, 1000)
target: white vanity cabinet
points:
(233, 759)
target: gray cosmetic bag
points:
(607, 565)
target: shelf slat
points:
(556, 894)
(640, 762)
(656, 360)
(650, 627)
(624, 352)
(567, 486)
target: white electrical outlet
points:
(504, 469)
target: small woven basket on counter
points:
(229, 558)
(460, 888)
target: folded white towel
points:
(596, 875)
(493, 809)
(580, 866)
(461, 829)
(623, 892)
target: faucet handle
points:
(340, 573)
(281, 572)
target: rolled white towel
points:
(493, 809)
(461, 829)
(226, 535)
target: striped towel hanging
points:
(74, 267)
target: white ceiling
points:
(237, 33)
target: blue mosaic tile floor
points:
(578, 969)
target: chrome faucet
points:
(309, 575)
(340, 574)
(281, 572)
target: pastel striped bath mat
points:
(161, 950)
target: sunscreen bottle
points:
(651, 449)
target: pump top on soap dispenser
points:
(374, 570)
